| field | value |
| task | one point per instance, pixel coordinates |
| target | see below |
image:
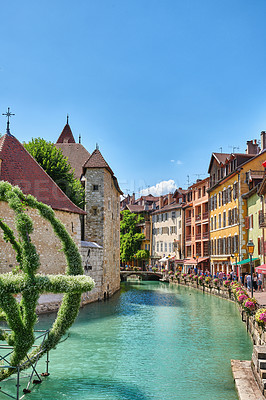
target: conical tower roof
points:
(96, 160)
(66, 135)
(19, 168)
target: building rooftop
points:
(19, 168)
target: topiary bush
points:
(21, 316)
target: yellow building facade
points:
(228, 210)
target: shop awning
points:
(202, 259)
(246, 261)
(164, 259)
(261, 269)
(190, 261)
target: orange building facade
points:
(197, 226)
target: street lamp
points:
(250, 247)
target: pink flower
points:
(242, 297)
(262, 317)
(250, 305)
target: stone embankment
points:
(249, 376)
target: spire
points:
(8, 114)
(66, 135)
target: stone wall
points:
(94, 207)
(111, 239)
(92, 260)
(102, 224)
(48, 245)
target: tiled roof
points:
(172, 206)
(66, 135)
(19, 168)
(135, 208)
(150, 197)
(77, 155)
(221, 157)
(96, 160)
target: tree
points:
(130, 236)
(58, 168)
(142, 255)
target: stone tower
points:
(102, 222)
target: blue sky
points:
(159, 85)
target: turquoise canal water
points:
(150, 342)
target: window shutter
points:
(229, 217)
(259, 246)
(251, 222)
(247, 222)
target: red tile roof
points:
(96, 160)
(19, 168)
(66, 135)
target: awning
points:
(246, 261)
(201, 259)
(190, 261)
(164, 259)
(261, 269)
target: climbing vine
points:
(21, 316)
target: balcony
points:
(198, 236)
(188, 220)
(198, 217)
(188, 238)
(205, 235)
(205, 215)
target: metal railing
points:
(30, 362)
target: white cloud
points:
(160, 188)
(178, 162)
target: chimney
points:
(252, 148)
(263, 140)
(132, 199)
(169, 198)
(160, 202)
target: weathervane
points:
(8, 114)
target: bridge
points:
(145, 275)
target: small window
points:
(94, 210)
(95, 187)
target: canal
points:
(150, 342)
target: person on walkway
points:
(255, 282)
(260, 282)
(221, 275)
(248, 278)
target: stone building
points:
(100, 232)
(19, 168)
(102, 221)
